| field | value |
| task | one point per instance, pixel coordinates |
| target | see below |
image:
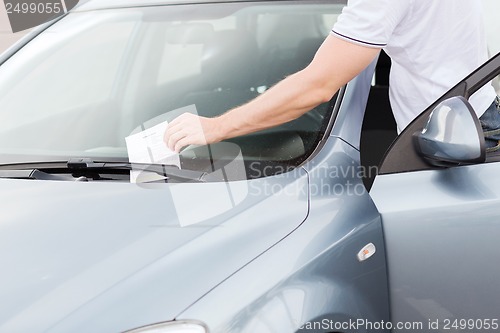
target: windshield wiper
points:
(170, 172)
(81, 169)
(34, 174)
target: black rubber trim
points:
(358, 40)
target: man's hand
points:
(190, 129)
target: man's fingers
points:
(173, 127)
(181, 144)
(174, 138)
(179, 120)
(176, 130)
(185, 130)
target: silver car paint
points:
(112, 250)
(441, 230)
(312, 271)
(452, 134)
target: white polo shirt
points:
(433, 44)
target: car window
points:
(83, 85)
(52, 81)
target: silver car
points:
(302, 228)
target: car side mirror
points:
(452, 135)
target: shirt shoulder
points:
(371, 22)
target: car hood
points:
(107, 257)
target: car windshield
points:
(87, 82)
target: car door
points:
(442, 230)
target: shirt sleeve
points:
(370, 22)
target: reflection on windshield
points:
(84, 85)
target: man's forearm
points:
(286, 101)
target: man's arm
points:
(336, 62)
